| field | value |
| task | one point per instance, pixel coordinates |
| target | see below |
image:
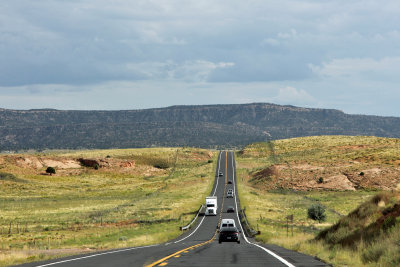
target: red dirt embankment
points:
(308, 177)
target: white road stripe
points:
(95, 255)
(219, 166)
(191, 232)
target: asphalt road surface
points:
(199, 246)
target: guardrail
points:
(183, 228)
(250, 232)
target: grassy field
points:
(133, 197)
(279, 179)
(130, 197)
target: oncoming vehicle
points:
(220, 174)
(229, 182)
(211, 206)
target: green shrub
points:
(316, 212)
(50, 170)
(161, 164)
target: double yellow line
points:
(162, 262)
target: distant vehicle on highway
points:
(229, 234)
(227, 223)
(230, 209)
(229, 193)
(211, 206)
(220, 174)
(229, 182)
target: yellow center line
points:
(162, 262)
(176, 254)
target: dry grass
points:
(281, 178)
(83, 208)
(324, 163)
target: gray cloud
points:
(88, 45)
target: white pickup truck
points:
(211, 206)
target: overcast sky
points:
(134, 54)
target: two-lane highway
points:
(199, 246)
(227, 253)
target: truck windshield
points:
(210, 205)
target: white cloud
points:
(280, 37)
(367, 68)
(195, 71)
(287, 35)
(270, 41)
(291, 95)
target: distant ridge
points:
(204, 126)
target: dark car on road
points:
(229, 234)
(230, 209)
(229, 182)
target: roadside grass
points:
(373, 229)
(267, 212)
(267, 208)
(327, 149)
(82, 210)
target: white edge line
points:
(195, 218)
(237, 214)
(191, 232)
(94, 255)
(219, 165)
